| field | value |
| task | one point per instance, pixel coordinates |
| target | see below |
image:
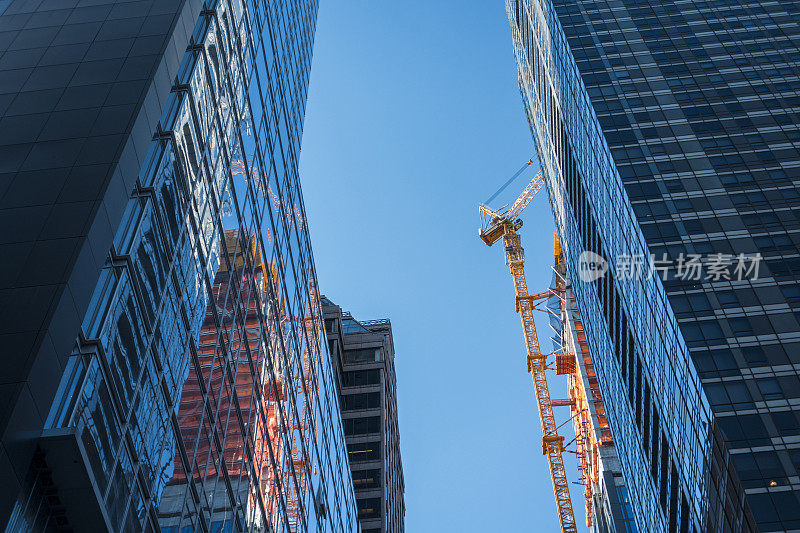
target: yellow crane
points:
(504, 224)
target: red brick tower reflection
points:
(246, 412)
(228, 411)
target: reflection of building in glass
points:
(195, 279)
(670, 128)
(362, 353)
(239, 380)
(225, 380)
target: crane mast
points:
(501, 225)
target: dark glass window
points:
(744, 430)
(369, 508)
(770, 389)
(362, 355)
(762, 507)
(759, 469)
(362, 426)
(368, 400)
(357, 378)
(794, 455)
(790, 385)
(786, 423)
(364, 451)
(754, 355)
(367, 479)
(791, 293)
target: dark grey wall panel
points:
(78, 104)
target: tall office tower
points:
(362, 354)
(668, 132)
(154, 243)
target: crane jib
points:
(510, 180)
(505, 225)
(552, 443)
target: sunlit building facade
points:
(668, 131)
(180, 380)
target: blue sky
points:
(414, 117)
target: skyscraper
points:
(668, 135)
(362, 354)
(161, 322)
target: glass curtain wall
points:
(670, 128)
(200, 388)
(659, 414)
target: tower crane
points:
(505, 224)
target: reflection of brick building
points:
(228, 404)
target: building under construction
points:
(607, 506)
(606, 498)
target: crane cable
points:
(510, 180)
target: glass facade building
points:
(167, 363)
(668, 131)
